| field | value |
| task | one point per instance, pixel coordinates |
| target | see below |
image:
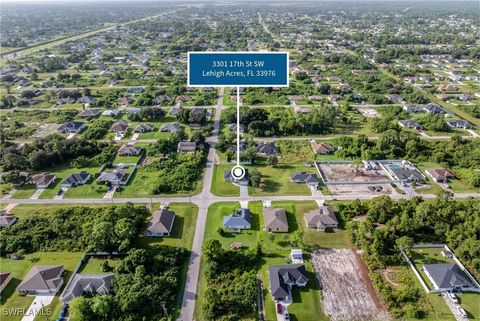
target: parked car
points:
(279, 308)
(287, 316)
(452, 297)
(462, 312)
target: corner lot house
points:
(186, 147)
(283, 278)
(241, 220)
(161, 223)
(88, 284)
(227, 176)
(73, 180)
(275, 219)
(5, 278)
(440, 175)
(321, 218)
(447, 277)
(42, 279)
(71, 127)
(43, 180)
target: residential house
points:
(5, 278)
(465, 97)
(71, 127)
(161, 223)
(86, 100)
(439, 175)
(172, 128)
(119, 127)
(410, 124)
(124, 101)
(88, 113)
(267, 149)
(144, 128)
(88, 284)
(284, 277)
(133, 110)
(129, 150)
(303, 177)
(321, 148)
(115, 177)
(111, 113)
(433, 109)
(275, 219)
(458, 123)
(394, 98)
(42, 279)
(183, 99)
(133, 91)
(240, 220)
(447, 277)
(43, 180)
(233, 127)
(75, 179)
(321, 218)
(412, 108)
(228, 177)
(186, 147)
(7, 219)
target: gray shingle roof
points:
(161, 222)
(448, 275)
(88, 283)
(282, 275)
(42, 278)
(238, 220)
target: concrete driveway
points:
(38, 303)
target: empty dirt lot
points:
(347, 291)
(347, 172)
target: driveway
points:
(37, 193)
(38, 303)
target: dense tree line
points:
(146, 282)
(231, 292)
(390, 225)
(283, 121)
(106, 229)
(47, 152)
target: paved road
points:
(202, 201)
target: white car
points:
(462, 312)
(452, 297)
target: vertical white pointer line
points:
(238, 126)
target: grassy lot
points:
(26, 191)
(10, 299)
(90, 190)
(276, 180)
(142, 182)
(183, 227)
(126, 159)
(219, 186)
(470, 302)
(93, 265)
(295, 152)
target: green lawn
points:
(219, 186)
(93, 265)
(10, 299)
(276, 180)
(420, 256)
(183, 227)
(26, 191)
(90, 190)
(471, 303)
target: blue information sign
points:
(243, 69)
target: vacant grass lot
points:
(142, 182)
(10, 299)
(25, 191)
